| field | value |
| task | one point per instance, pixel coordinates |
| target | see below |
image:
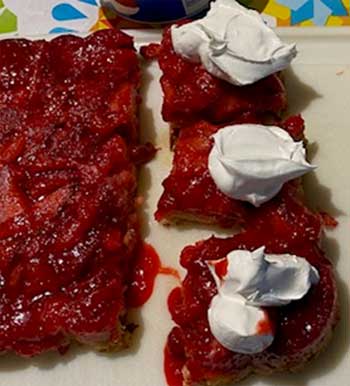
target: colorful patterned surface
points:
(308, 12)
(32, 17)
(50, 16)
(276, 12)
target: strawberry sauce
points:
(221, 268)
(145, 272)
(173, 368)
(264, 326)
(148, 266)
(169, 271)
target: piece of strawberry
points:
(13, 201)
(33, 219)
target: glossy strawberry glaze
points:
(191, 93)
(69, 231)
(299, 327)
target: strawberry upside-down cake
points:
(69, 232)
(301, 329)
(191, 93)
(190, 193)
(264, 300)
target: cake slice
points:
(191, 93)
(302, 329)
(190, 193)
(69, 232)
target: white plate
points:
(319, 88)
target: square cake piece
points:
(69, 232)
(191, 93)
(190, 193)
(301, 329)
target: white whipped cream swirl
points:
(254, 280)
(251, 162)
(233, 44)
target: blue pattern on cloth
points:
(59, 30)
(69, 11)
(92, 2)
(66, 11)
(316, 10)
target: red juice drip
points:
(170, 272)
(146, 269)
(145, 272)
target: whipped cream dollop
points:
(233, 43)
(251, 162)
(250, 281)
